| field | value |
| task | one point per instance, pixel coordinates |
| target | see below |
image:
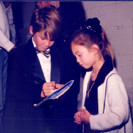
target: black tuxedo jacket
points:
(24, 88)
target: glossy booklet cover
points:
(57, 93)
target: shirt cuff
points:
(8, 46)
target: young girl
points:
(105, 105)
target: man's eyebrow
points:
(76, 52)
(43, 37)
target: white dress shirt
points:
(4, 30)
(9, 14)
(45, 64)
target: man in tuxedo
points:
(30, 66)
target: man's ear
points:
(31, 30)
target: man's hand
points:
(49, 87)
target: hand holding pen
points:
(49, 87)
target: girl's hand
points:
(77, 117)
(48, 88)
(85, 116)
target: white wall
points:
(117, 20)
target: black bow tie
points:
(46, 52)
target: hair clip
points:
(90, 28)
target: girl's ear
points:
(95, 48)
(31, 30)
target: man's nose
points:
(47, 43)
(77, 59)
